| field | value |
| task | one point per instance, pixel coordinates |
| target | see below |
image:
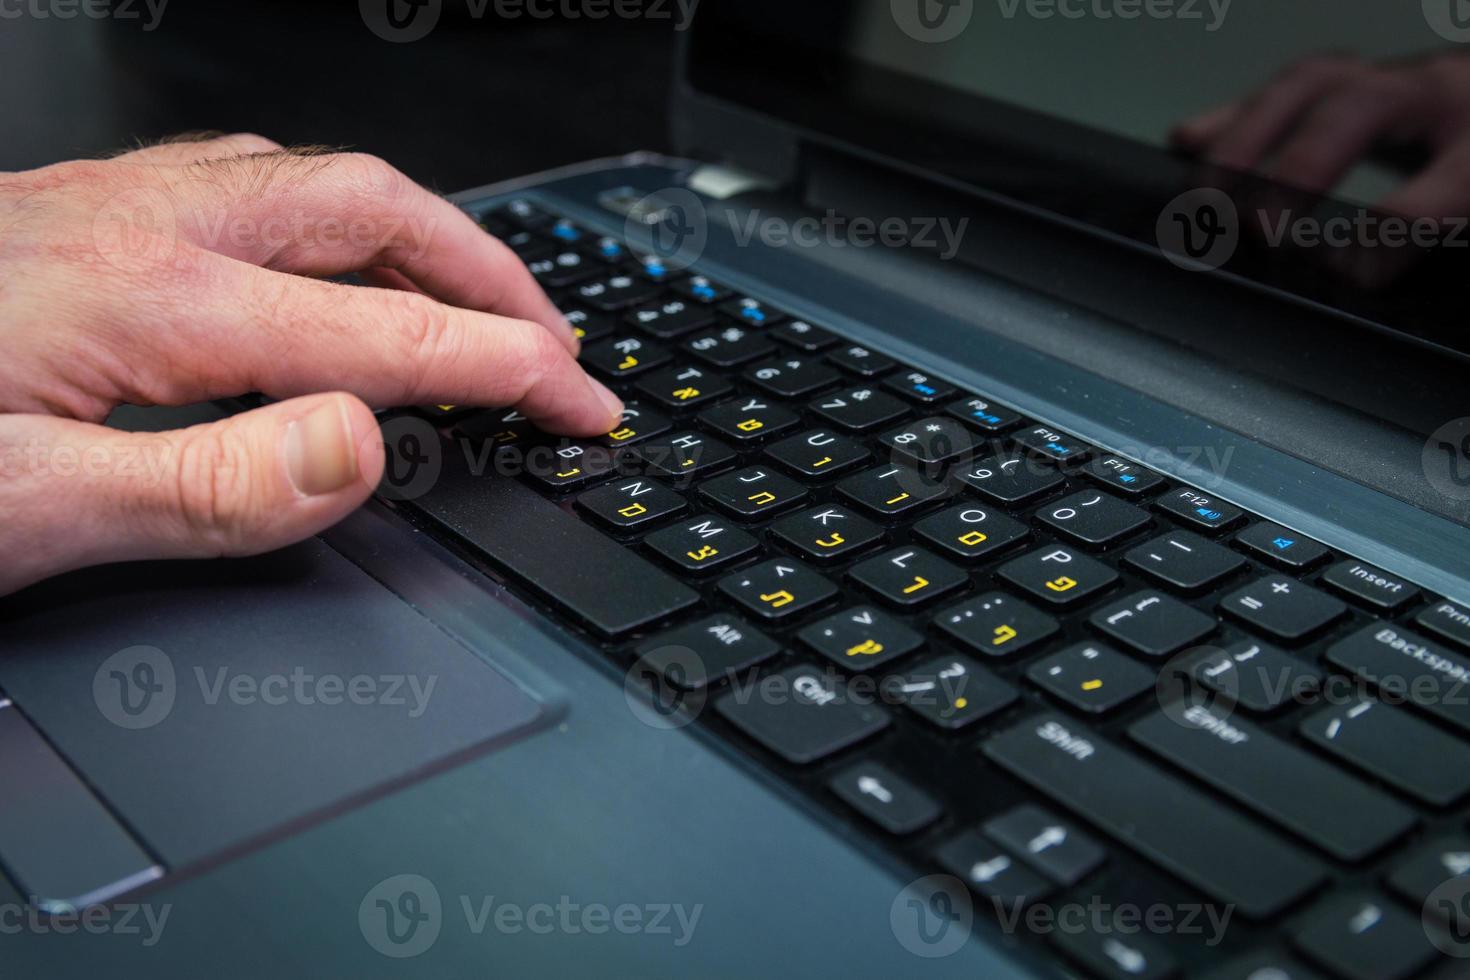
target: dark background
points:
(479, 99)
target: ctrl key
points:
(803, 713)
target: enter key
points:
(1279, 781)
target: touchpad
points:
(211, 703)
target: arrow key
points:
(990, 871)
(889, 800)
(1052, 847)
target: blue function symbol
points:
(1207, 514)
(1281, 544)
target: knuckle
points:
(374, 178)
(252, 143)
(213, 490)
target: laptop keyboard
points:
(996, 651)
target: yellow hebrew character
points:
(762, 498)
(1003, 634)
(972, 538)
(1062, 584)
(703, 553)
(832, 542)
(750, 425)
(633, 510)
(920, 583)
(779, 599)
(867, 648)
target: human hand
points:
(183, 272)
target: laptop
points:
(1016, 560)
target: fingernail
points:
(572, 333)
(613, 402)
(320, 457)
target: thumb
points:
(82, 494)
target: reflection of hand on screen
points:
(1321, 116)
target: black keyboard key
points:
(860, 638)
(609, 250)
(1257, 676)
(566, 232)
(1091, 677)
(534, 542)
(730, 346)
(1010, 480)
(862, 361)
(624, 357)
(1056, 849)
(884, 797)
(562, 269)
(1410, 668)
(950, 692)
(639, 423)
(1264, 965)
(1048, 443)
(525, 214)
(701, 289)
(1153, 624)
(1283, 608)
(1199, 510)
(1360, 936)
(996, 624)
(1390, 744)
(810, 717)
(1123, 475)
(826, 534)
(1417, 876)
(919, 387)
(684, 454)
(1375, 588)
(1275, 779)
(1112, 952)
(794, 377)
(587, 325)
(564, 465)
(610, 293)
(859, 409)
(702, 543)
(969, 532)
(656, 269)
(681, 388)
(751, 312)
(630, 505)
(982, 865)
(528, 246)
(983, 414)
(669, 319)
(1058, 575)
(1184, 561)
(1282, 548)
(818, 454)
(893, 492)
(713, 649)
(1448, 621)
(778, 589)
(909, 577)
(1183, 830)
(501, 427)
(1093, 519)
(804, 336)
(930, 442)
(753, 492)
(748, 420)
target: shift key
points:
(1170, 823)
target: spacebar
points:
(1191, 835)
(531, 540)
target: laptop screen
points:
(1316, 148)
